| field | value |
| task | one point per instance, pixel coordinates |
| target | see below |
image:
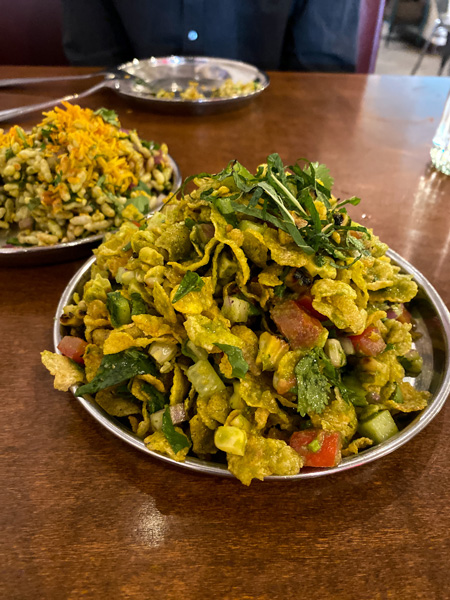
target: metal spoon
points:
(112, 80)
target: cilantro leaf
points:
(312, 385)
(109, 116)
(143, 187)
(322, 172)
(157, 400)
(33, 203)
(178, 441)
(9, 153)
(236, 358)
(191, 282)
(140, 202)
(117, 368)
(150, 145)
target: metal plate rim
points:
(193, 464)
(65, 247)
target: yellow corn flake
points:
(218, 406)
(118, 341)
(206, 333)
(131, 213)
(339, 415)
(356, 445)
(222, 235)
(158, 443)
(261, 415)
(163, 304)
(143, 426)
(398, 335)
(375, 373)
(375, 317)
(92, 359)
(195, 303)
(403, 290)
(255, 248)
(336, 300)
(284, 378)
(380, 274)
(413, 399)
(250, 346)
(157, 383)
(151, 257)
(291, 255)
(193, 265)
(264, 457)
(356, 273)
(115, 405)
(203, 412)
(215, 265)
(225, 367)
(65, 371)
(180, 386)
(271, 276)
(152, 325)
(202, 437)
(257, 394)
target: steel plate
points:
(31, 256)
(433, 322)
(174, 72)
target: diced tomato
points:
(369, 342)
(301, 329)
(284, 384)
(305, 302)
(405, 316)
(319, 448)
(73, 347)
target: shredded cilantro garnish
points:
(284, 197)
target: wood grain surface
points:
(85, 516)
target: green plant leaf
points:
(191, 282)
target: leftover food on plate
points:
(251, 322)
(197, 91)
(76, 174)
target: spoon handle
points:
(12, 113)
(29, 80)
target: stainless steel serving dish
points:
(31, 256)
(173, 73)
(433, 322)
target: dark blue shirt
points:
(315, 35)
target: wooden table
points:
(86, 516)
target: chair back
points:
(369, 32)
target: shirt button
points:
(192, 35)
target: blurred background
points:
(392, 36)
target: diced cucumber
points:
(226, 267)
(412, 362)
(194, 352)
(379, 427)
(119, 309)
(246, 225)
(162, 351)
(236, 310)
(398, 395)
(204, 379)
(230, 439)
